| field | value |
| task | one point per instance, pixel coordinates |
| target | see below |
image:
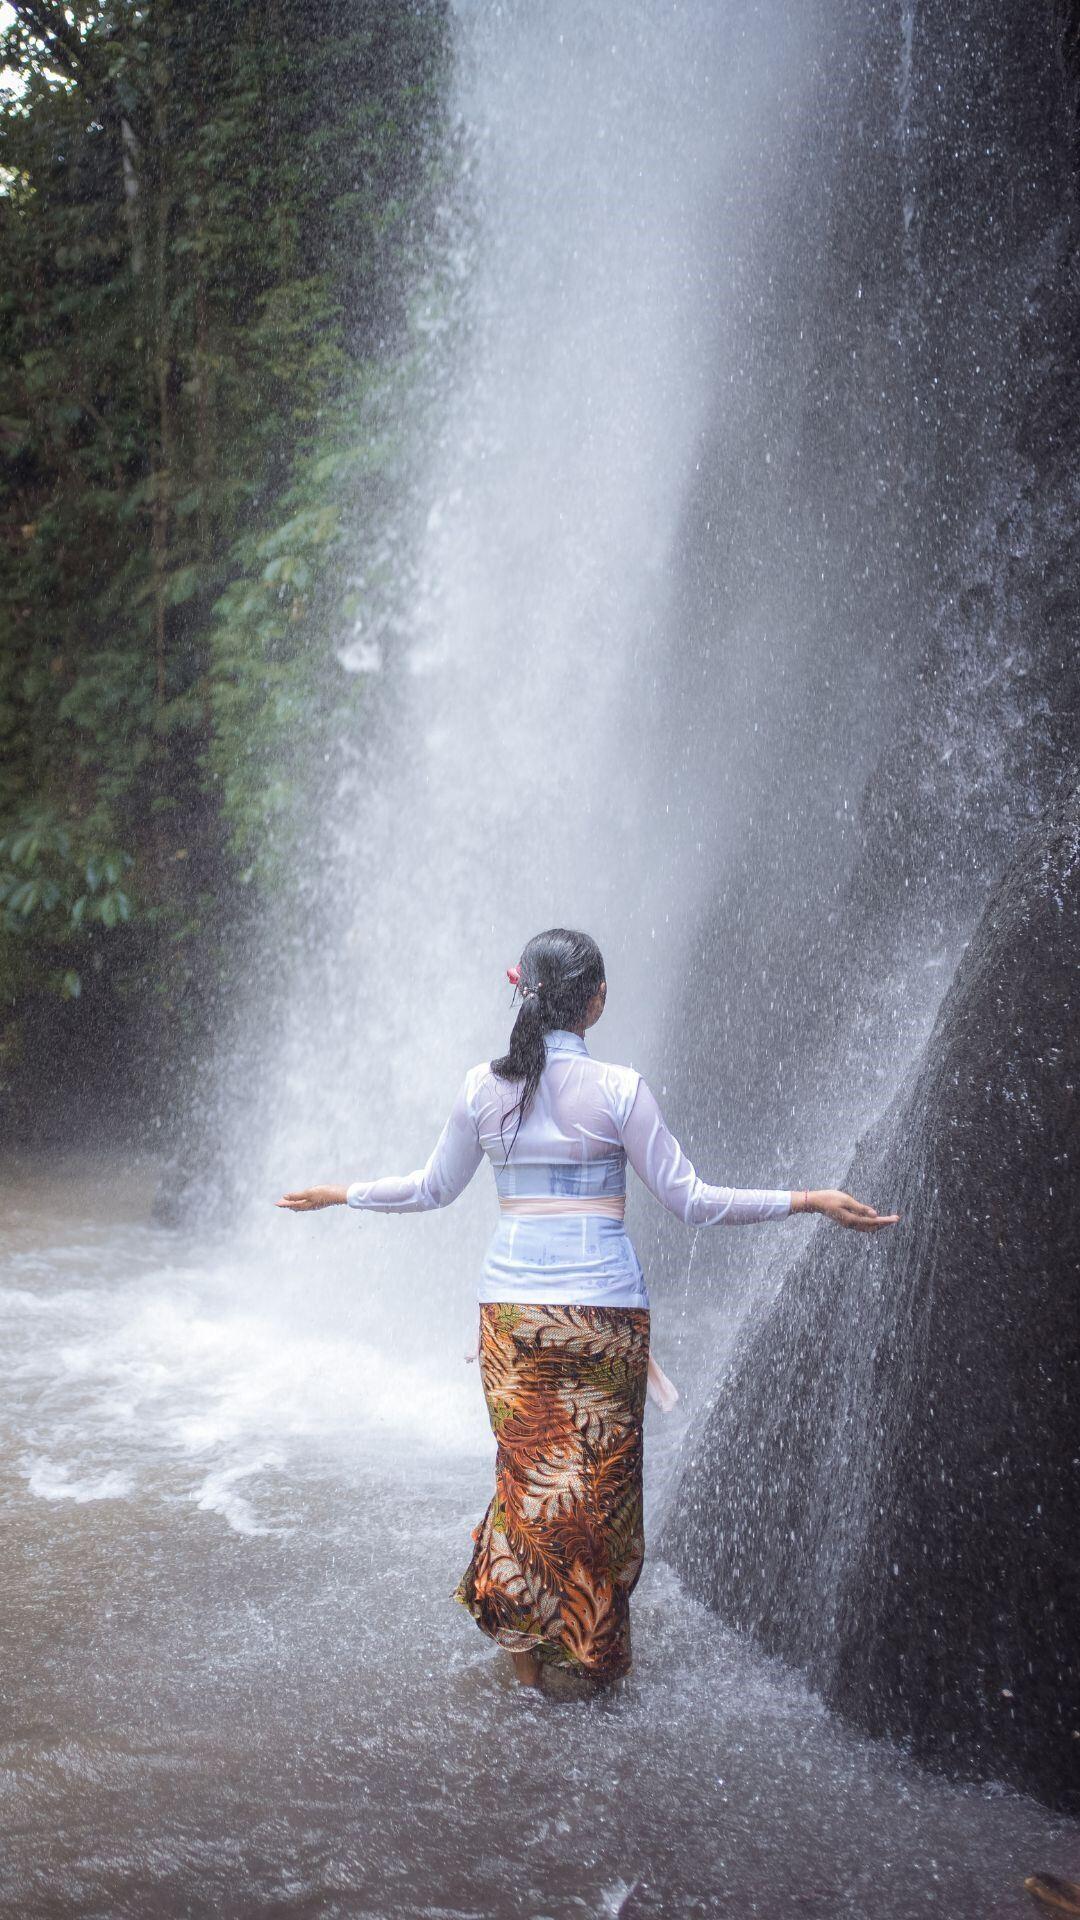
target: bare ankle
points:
(527, 1668)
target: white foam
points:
(216, 1494)
(160, 1369)
(51, 1480)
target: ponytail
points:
(558, 975)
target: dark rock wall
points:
(886, 1490)
(904, 461)
(885, 1487)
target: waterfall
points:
(616, 215)
(717, 634)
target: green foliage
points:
(57, 887)
(210, 221)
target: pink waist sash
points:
(612, 1206)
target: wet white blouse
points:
(560, 1237)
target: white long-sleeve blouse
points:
(560, 1235)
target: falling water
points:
(530, 766)
(565, 734)
(634, 675)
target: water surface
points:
(235, 1682)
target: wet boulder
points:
(886, 1489)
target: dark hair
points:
(559, 973)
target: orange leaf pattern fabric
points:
(559, 1550)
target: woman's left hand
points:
(311, 1197)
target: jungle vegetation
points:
(212, 220)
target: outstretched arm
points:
(450, 1166)
(658, 1160)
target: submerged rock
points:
(886, 1491)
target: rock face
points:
(915, 537)
(886, 1490)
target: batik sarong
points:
(559, 1550)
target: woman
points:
(564, 1314)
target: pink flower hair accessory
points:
(513, 974)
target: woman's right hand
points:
(849, 1212)
(308, 1198)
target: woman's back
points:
(561, 1182)
(570, 1140)
(561, 1178)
